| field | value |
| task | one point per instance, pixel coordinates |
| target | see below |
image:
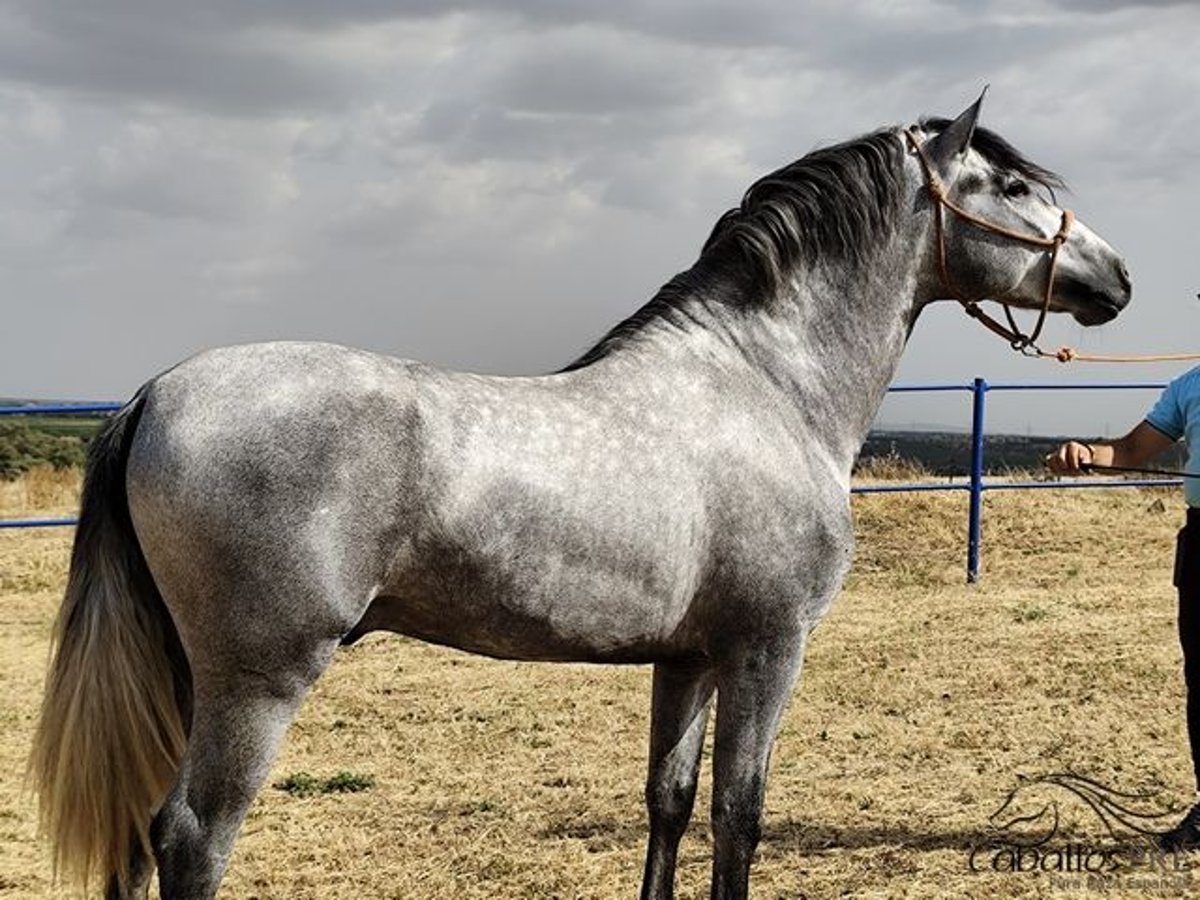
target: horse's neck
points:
(837, 347)
(829, 349)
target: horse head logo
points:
(1034, 811)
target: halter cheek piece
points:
(1020, 342)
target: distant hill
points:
(949, 452)
(41, 401)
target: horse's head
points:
(998, 233)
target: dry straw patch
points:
(43, 490)
(921, 702)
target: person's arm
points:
(1133, 450)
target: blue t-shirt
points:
(1177, 415)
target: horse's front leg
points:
(679, 714)
(753, 687)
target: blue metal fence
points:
(975, 484)
(53, 409)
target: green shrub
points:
(22, 447)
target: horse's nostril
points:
(1123, 275)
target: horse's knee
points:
(741, 823)
(737, 815)
(669, 801)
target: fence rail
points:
(53, 409)
(974, 486)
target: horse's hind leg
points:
(241, 710)
(679, 714)
(141, 869)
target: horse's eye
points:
(1016, 188)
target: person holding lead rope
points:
(1175, 416)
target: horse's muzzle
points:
(1091, 304)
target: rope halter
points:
(1022, 343)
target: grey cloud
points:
(234, 57)
(323, 141)
(601, 58)
(707, 22)
(102, 50)
(80, 19)
(703, 21)
(591, 81)
(387, 228)
(585, 97)
(484, 214)
(469, 131)
(1103, 6)
(142, 176)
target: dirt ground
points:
(922, 702)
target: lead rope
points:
(1093, 467)
(1070, 354)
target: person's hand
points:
(1069, 458)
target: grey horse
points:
(677, 496)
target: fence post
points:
(978, 394)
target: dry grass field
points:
(921, 703)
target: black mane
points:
(834, 203)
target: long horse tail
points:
(112, 727)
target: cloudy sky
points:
(490, 185)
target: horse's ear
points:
(955, 138)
